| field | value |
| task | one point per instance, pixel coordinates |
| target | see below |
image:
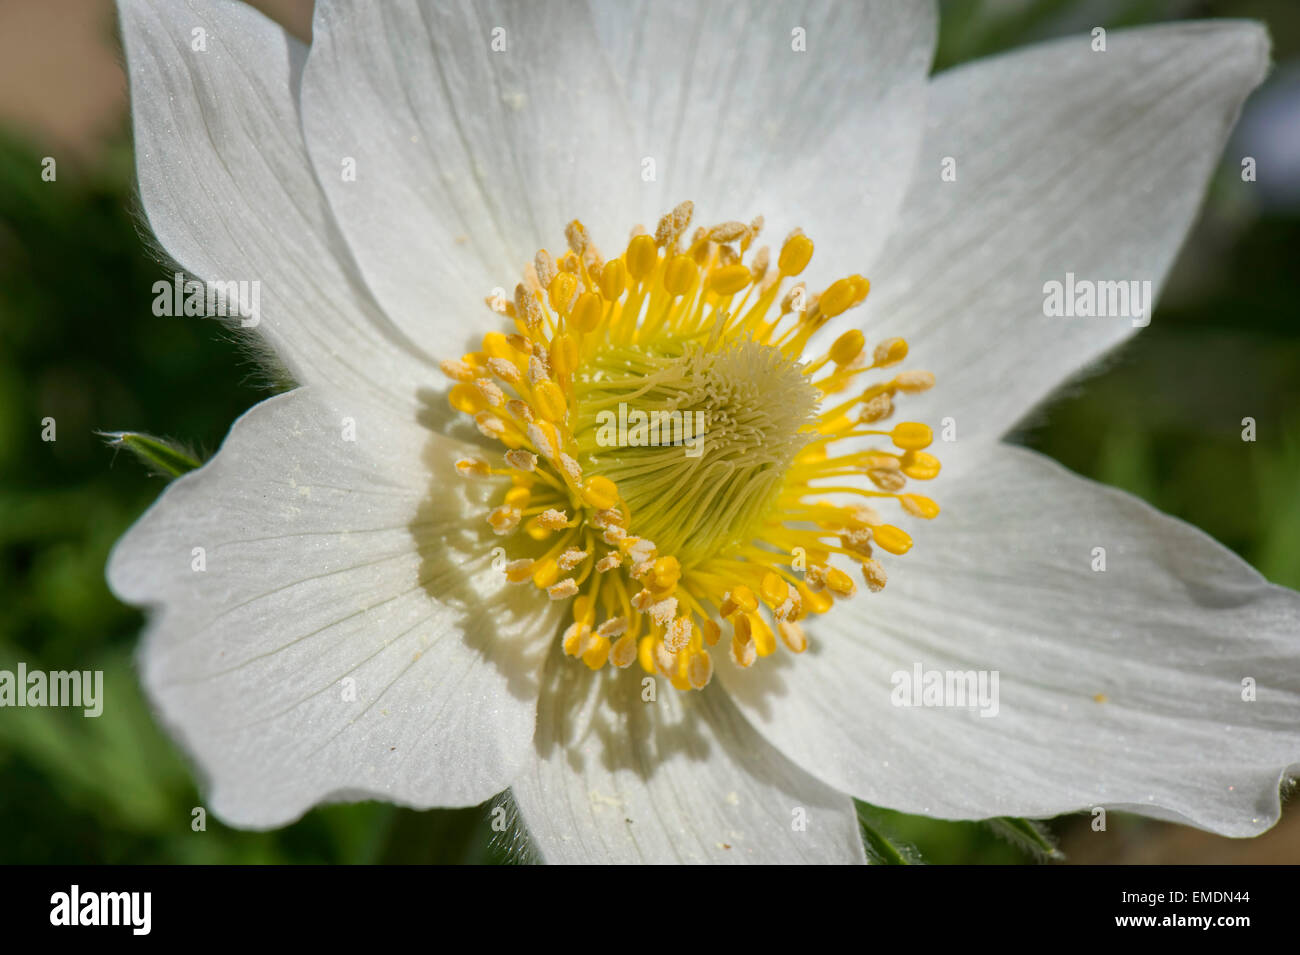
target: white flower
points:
(350, 636)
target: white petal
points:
(348, 637)
(1003, 580)
(741, 122)
(229, 191)
(1066, 161)
(679, 779)
(468, 159)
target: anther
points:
(553, 519)
(523, 460)
(539, 440)
(493, 395)
(847, 347)
(545, 266)
(504, 520)
(571, 558)
(577, 235)
(526, 306)
(793, 636)
(699, 670)
(678, 634)
(489, 425)
(889, 352)
(796, 252)
(565, 588)
(623, 652)
(472, 467)
(456, 369)
(727, 231)
(913, 382)
(873, 572)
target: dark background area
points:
(79, 343)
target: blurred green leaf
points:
(1029, 835)
(162, 457)
(881, 846)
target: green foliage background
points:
(79, 343)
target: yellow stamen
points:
(667, 451)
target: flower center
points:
(666, 446)
(697, 435)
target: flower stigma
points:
(666, 448)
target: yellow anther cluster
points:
(587, 331)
